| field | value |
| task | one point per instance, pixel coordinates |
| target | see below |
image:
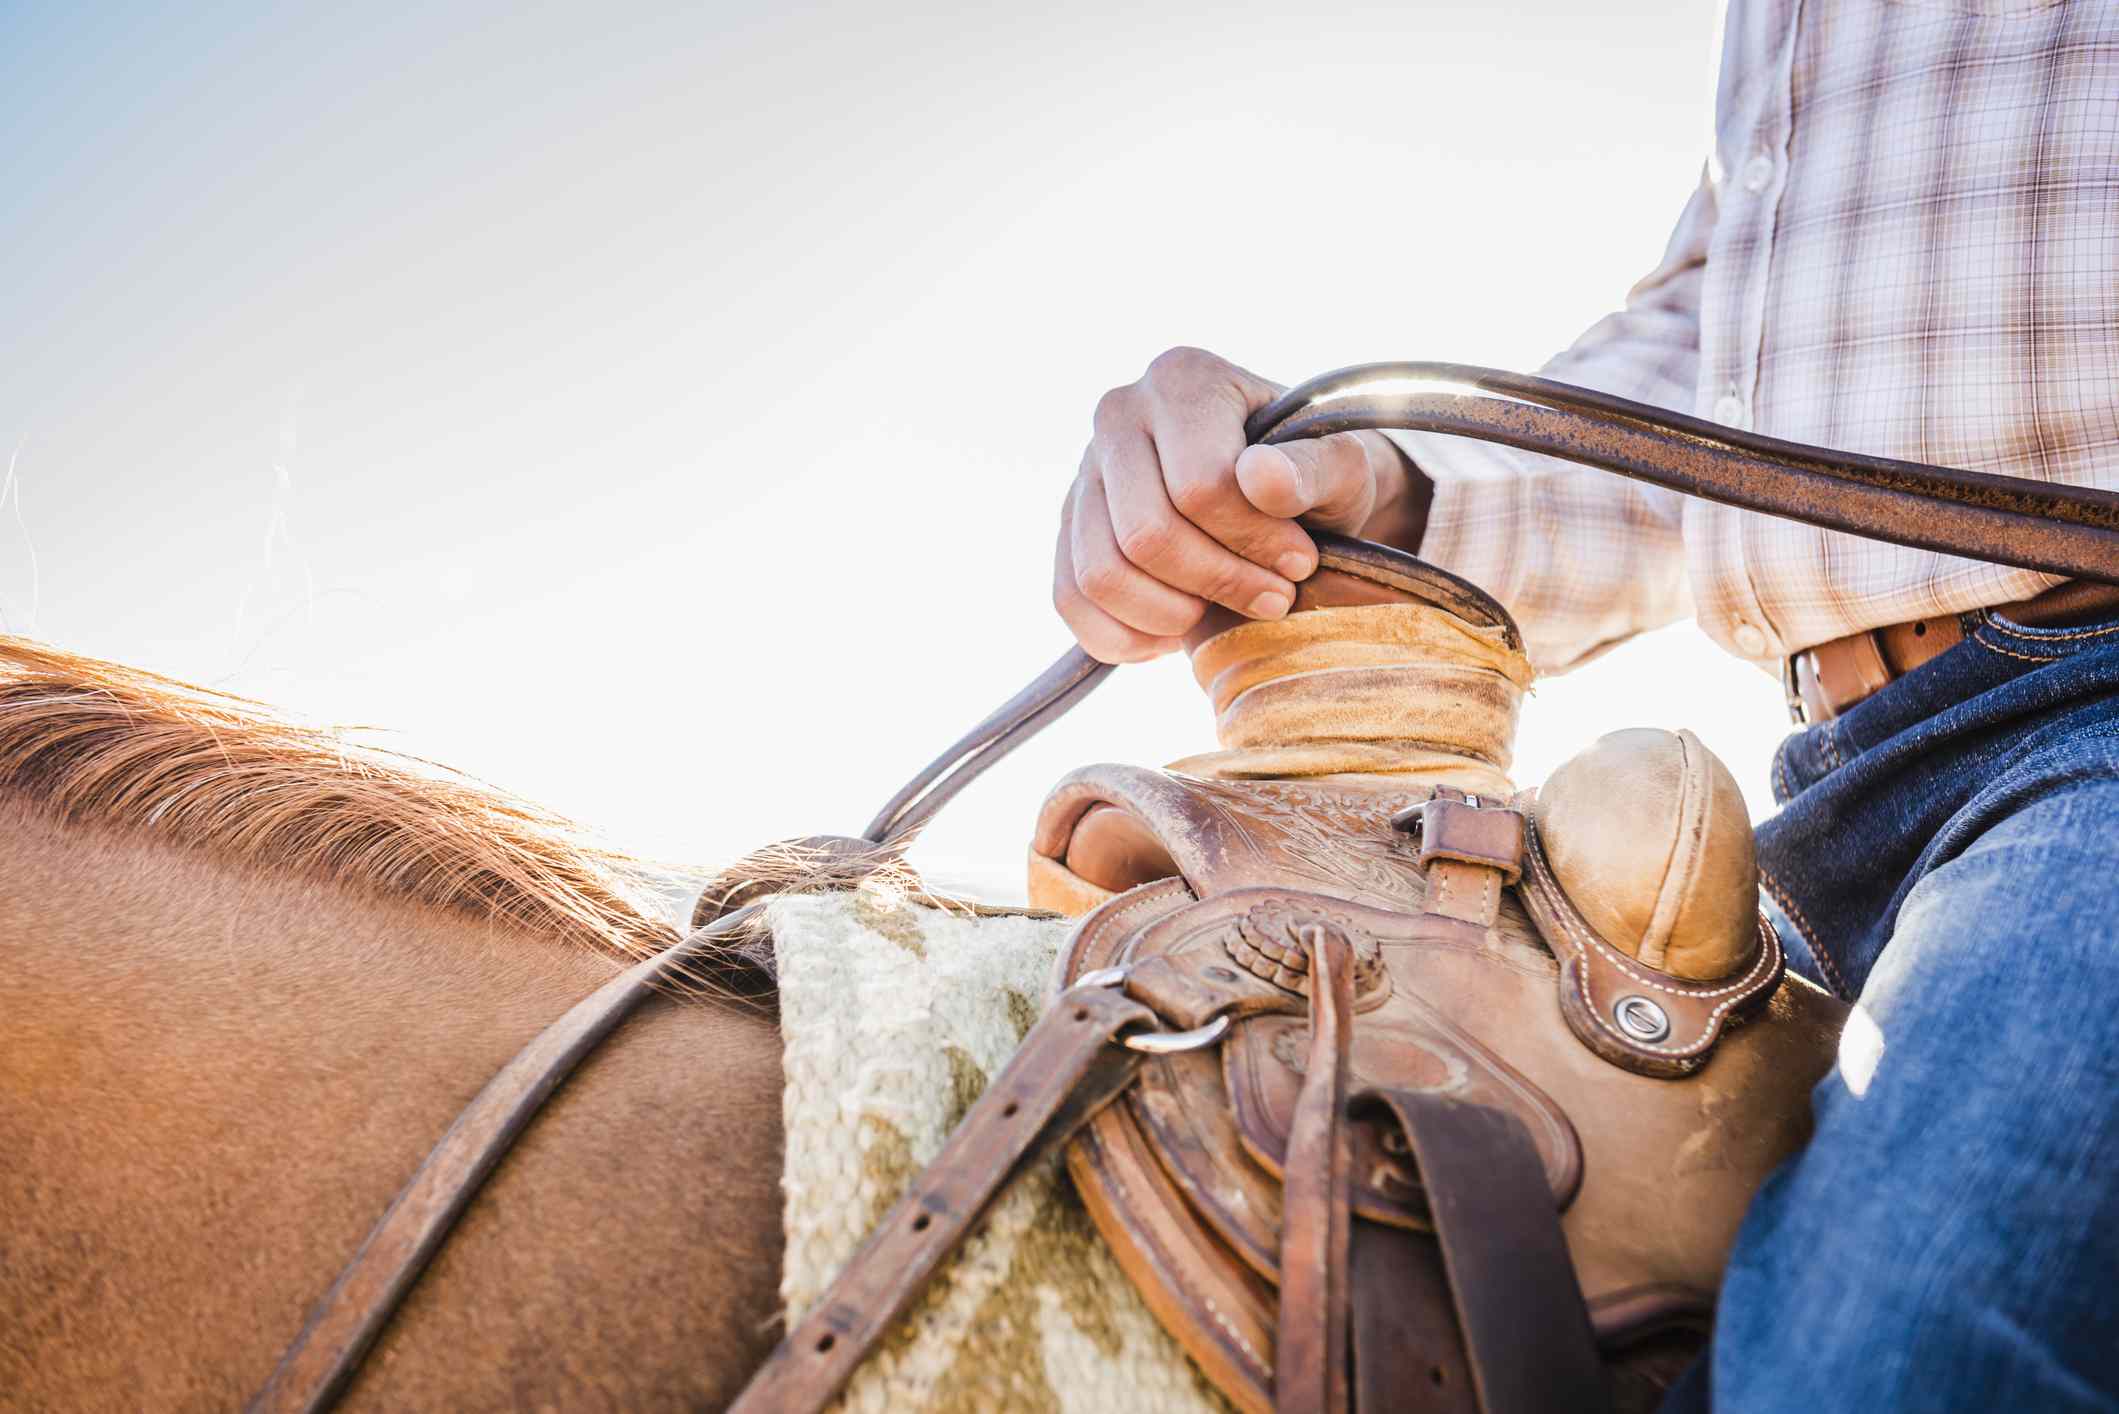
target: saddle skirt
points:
(1588, 959)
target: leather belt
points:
(1826, 680)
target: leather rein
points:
(2062, 530)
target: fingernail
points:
(1293, 565)
(1269, 605)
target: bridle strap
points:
(346, 1322)
(323, 1358)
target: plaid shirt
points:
(1906, 243)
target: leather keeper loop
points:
(1452, 828)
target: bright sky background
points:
(665, 411)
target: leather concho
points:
(1183, 1175)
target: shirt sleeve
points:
(1584, 559)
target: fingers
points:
(1085, 538)
(1329, 481)
(1198, 447)
(1155, 537)
(1177, 431)
(1170, 512)
(1107, 575)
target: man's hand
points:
(1171, 511)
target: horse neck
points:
(218, 1077)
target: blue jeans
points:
(1947, 856)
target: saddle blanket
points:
(895, 1015)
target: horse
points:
(249, 970)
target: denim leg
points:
(1949, 1240)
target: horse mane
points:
(99, 743)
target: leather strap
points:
(1457, 826)
(2008, 520)
(323, 1358)
(1469, 850)
(1519, 1307)
(1074, 676)
(1407, 1353)
(1310, 1349)
(1828, 679)
(1065, 1071)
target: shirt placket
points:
(1755, 160)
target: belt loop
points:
(1791, 693)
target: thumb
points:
(1330, 482)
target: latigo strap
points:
(1525, 1330)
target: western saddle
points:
(1388, 1084)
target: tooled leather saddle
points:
(1484, 1079)
(1390, 1085)
(1537, 1046)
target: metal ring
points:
(1640, 1018)
(1170, 1043)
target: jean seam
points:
(2031, 634)
(1780, 771)
(2012, 653)
(1831, 740)
(1802, 925)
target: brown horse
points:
(248, 974)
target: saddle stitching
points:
(1149, 895)
(1624, 963)
(1769, 946)
(1177, 1272)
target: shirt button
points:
(1729, 410)
(1749, 641)
(1758, 172)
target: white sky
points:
(665, 412)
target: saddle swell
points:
(1510, 953)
